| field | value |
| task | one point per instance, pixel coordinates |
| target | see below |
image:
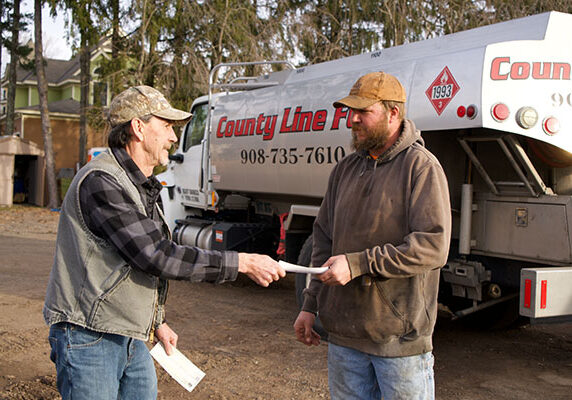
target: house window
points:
(3, 110)
(99, 94)
(4, 93)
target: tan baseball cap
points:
(138, 101)
(371, 88)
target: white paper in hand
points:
(300, 269)
(178, 366)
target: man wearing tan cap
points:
(108, 284)
(383, 230)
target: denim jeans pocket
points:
(81, 337)
(54, 348)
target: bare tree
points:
(82, 12)
(44, 113)
(506, 10)
(177, 42)
(85, 77)
(115, 46)
(2, 10)
(14, 56)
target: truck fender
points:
(166, 178)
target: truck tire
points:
(305, 259)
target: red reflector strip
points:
(543, 289)
(527, 292)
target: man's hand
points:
(260, 268)
(338, 272)
(303, 327)
(168, 337)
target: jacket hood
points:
(409, 135)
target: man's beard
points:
(375, 139)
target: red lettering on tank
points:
(284, 125)
(520, 70)
(496, 67)
(502, 69)
(305, 122)
(259, 122)
(265, 125)
(536, 68)
(296, 116)
(319, 122)
(219, 130)
(563, 71)
(269, 127)
(250, 124)
(340, 113)
(239, 127)
(229, 129)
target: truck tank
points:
(494, 104)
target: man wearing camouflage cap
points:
(383, 230)
(108, 284)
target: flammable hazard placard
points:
(442, 90)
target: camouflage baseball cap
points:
(371, 88)
(138, 101)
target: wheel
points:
(303, 280)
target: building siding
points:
(65, 139)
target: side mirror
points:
(177, 157)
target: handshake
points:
(261, 269)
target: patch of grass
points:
(64, 186)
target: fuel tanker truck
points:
(494, 105)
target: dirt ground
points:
(241, 336)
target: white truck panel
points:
(421, 108)
(550, 95)
(545, 292)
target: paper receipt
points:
(300, 269)
(178, 366)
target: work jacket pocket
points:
(127, 305)
(361, 312)
(407, 300)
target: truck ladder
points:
(517, 158)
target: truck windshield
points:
(195, 129)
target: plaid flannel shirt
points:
(142, 240)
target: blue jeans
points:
(354, 375)
(101, 366)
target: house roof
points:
(71, 71)
(58, 71)
(67, 106)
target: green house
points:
(63, 104)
